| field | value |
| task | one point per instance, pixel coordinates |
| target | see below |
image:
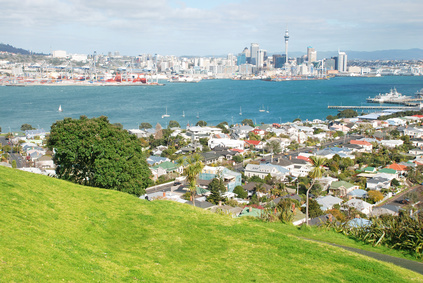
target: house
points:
(378, 183)
(251, 187)
(254, 144)
(262, 170)
(416, 151)
(230, 178)
(366, 146)
(223, 142)
(226, 209)
(30, 134)
(360, 205)
(44, 162)
(358, 193)
(241, 131)
(391, 143)
(413, 132)
(400, 169)
(342, 188)
(386, 209)
(259, 132)
(251, 211)
(197, 132)
(154, 160)
(327, 202)
(390, 172)
(359, 222)
(165, 168)
(301, 167)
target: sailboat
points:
(183, 114)
(60, 108)
(262, 109)
(267, 110)
(240, 111)
(165, 115)
(198, 115)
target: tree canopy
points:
(201, 123)
(95, 153)
(347, 113)
(248, 122)
(173, 124)
(145, 125)
(26, 127)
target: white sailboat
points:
(198, 115)
(60, 108)
(183, 114)
(165, 115)
(267, 109)
(240, 111)
(262, 109)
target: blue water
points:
(213, 100)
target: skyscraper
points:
(342, 62)
(311, 54)
(254, 50)
(286, 45)
(260, 58)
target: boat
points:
(198, 115)
(262, 109)
(60, 108)
(240, 111)
(183, 114)
(267, 110)
(419, 94)
(390, 97)
(183, 79)
(165, 115)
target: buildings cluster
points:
(252, 63)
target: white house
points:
(360, 205)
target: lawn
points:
(52, 230)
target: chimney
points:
(290, 157)
(164, 194)
(330, 217)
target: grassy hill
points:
(52, 230)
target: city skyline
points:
(209, 27)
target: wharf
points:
(376, 107)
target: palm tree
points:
(192, 171)
(316, 172)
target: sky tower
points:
(286, 44)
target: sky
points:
(215, 27)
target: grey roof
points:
(251, 186)
(201, 204)
(283, 162)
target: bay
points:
(213, 101)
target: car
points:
(263, 160)
(404, 201)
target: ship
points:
(183, 79)
(390, 97)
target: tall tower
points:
(286, 45)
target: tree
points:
(286, 208)
(145, 125)
(119, 125)
(240, 192)
(93, 152)
(248, 122)
(330, 118)
(274, 146)
(223, 125)
(173, 124)
(192, 171)
(374, 196)
(14, 164)
(316, 172)
(26, 127)
(201, 123)
(297, 120)
(237, 158)
(347, 113)
(216, 187)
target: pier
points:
(370, 107)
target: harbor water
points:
(213, 101)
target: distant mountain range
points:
(393, 54)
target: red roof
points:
(418, 116)
(360, 142)
(259, 132)
(237, 150)
(397, 167)
(304, 158)
(252, 142)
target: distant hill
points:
(12, 49)
(53, 230)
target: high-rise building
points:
(341, 63)
(286, 45)
(279, 60)
(261, 54)
(311, 54)
(241, 59)
(254, 50)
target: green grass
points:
(51, 230)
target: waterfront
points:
(213, 101)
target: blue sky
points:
(178, 27)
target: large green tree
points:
(216, 187)
(95, 153)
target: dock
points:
(375, 107)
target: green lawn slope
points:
(51, 230)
